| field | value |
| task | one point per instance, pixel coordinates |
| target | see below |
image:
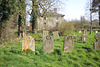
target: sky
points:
(72, 9)
(28, 9)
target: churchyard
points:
(48, 51)
(47, 33)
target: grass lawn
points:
(83, 55)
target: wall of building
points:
(48, 22)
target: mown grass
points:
(84, 55)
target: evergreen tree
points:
(6, 9)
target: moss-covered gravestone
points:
(55, 35)
(68, 44)
(48, 44)
(97, 44)
(45, 33)
(28, 43)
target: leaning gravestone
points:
(55, 35)
(68, 44)
(97, 44)
(84, 37)
(45, 33)
(48, 44)
(28, 43)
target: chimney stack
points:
(55, 10)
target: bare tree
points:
(40, 8)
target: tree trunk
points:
(0, 31)
(19, 25)
(99, 15)
(32, 27)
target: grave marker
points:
(97, 44)
(48, 44)
(55, 35)
(85, 32)
(68, 44)
(45, 33)
(28, 43)
(84, 37)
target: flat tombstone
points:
(85, 32)
(97, 44)
(68, 44)
(48, 44)
(55, 35)
(28, 43)
(45, 33)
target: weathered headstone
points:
(97, 44)
(68, 44)
(85, 32)
(45, 33)
(28, 43)
(55, 35)
(48, 44)
(84, 37)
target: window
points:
(44, 18)
(57, 18)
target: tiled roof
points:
(52, 14)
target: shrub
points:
(27, 50)
(65, 28)
(57, 52)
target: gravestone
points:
(84, 37)
(55, 35)
(68, 44)
(97, 44)
(48, 44)
(45, 33)
(85, 32)
(28, 43)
